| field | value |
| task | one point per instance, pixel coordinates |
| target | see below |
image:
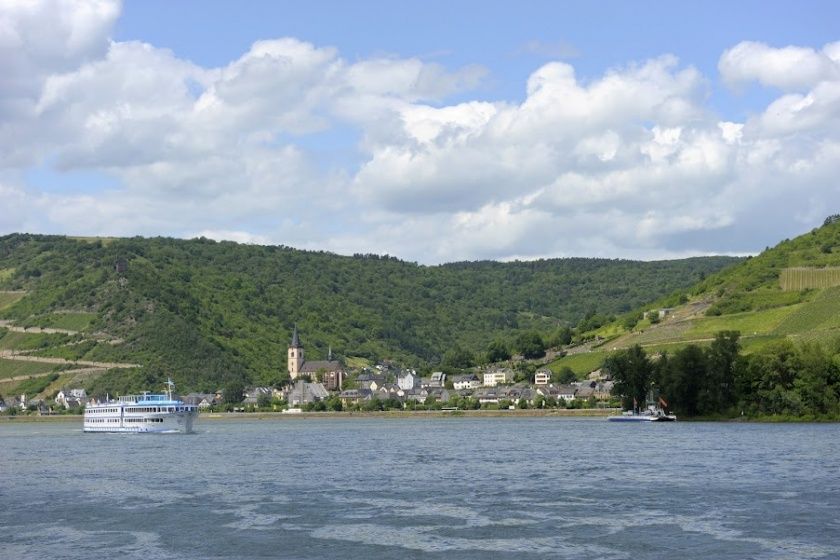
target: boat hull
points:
(179, 423)
(642, 418)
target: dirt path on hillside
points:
(35, 330)
(14, 355)
(80, 371)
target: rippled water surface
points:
(452, 488)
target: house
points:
(333, 379)
(542, 377)
(498, 376)
(527, 394)
(515, 394)
(558, 392)
(605, 390)
(408, 380)
(389, 390)
(68, 398)
(302, 393)
(437, 379)
(487, 395)
(202, 400)
(470, 381)
(440, 394)
(566, 392)
(253, 395)
(595, 389)
(370, 381)
(415, 396)
(355, 396)
(599, 375)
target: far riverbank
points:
(564, 413)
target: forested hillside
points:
(205, 311)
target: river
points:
(454, 488)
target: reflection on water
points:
(426, 488)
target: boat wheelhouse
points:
(144, 413)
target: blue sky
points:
(433, 131)
(511, 39)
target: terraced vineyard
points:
(10, 340)
(38, 363)
(804, 278)
(10, 370)
(817, 322)
(67, 320)
(748, 323)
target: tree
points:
(264, 400)
(530, 345)
(561, 337)
(632, 373)
(334, 403)
(233, 391)
(681, 378)
(818, 383)
(432, 403)
(631, 320)
(565, 376)
(768, 379)
(458, 358)
(497, 351)
(524, 372)
(723, 359)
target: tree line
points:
(784, 379)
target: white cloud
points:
(789, 68)
(38, 39)
(632, 163)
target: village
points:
(327, 385)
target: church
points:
(329, 372)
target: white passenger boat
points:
(145, 413)
(650, 414)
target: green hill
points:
(208, 312)
(788, 292)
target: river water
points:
(454, 488)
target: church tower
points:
(295, 355)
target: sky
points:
(432, 131)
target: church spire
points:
(295, 355)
